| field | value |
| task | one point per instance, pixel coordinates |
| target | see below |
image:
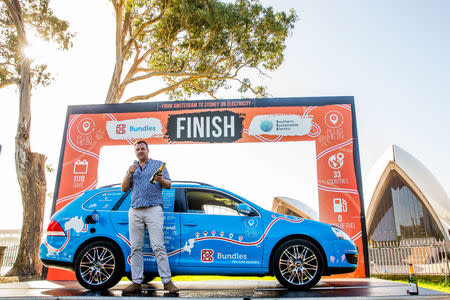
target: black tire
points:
(99, 266)
(298, 264)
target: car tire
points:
(99, 266)
(298, 264)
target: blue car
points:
(208, 230)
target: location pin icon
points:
(86, 125)
(334, 118)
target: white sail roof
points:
(435, 196)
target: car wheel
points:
(298, 264)
(99, 266)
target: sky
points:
(392, 56)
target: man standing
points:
(146, 210)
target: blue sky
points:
(392, 56)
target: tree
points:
(17, 18)
(195, 47)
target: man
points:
(146, 209)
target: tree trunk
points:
(33, 188)
(30, 167)
(113, 90)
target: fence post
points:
(446, 261)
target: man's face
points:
(141, 151)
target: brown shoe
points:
(172, 288)
(132, 288)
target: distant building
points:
(404, 200)
(292, 207)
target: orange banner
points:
(234, 121)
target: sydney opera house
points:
(403, 200)
(407, 216)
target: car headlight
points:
(340, 234)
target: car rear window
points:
(103, 200)
(168, 197)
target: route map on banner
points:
(328, 121)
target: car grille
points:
(352, 258)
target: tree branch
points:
(6, 63)
(117, 6)
(173, 74)
(203, 90)
(126, 27)
(139, 31)
(134, 67)
(9, 82)
(163, 90)
(7, 23)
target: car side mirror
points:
(244, 209)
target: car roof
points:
(177, 183)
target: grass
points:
(437, 286)
(436, 283)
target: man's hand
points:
(132, 169)
(158, 177)
(162, 181)
(126, 183)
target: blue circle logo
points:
(266, 125)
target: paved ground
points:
(349, 288)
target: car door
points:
(215, 234)
(119, 219)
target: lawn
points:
(437, 286)
(436, 283)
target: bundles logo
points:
(207, 255)
(134, 129)
(120, 128)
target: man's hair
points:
(141, 142)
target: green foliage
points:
(198, 46)
(38, 18)
(432, 282)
